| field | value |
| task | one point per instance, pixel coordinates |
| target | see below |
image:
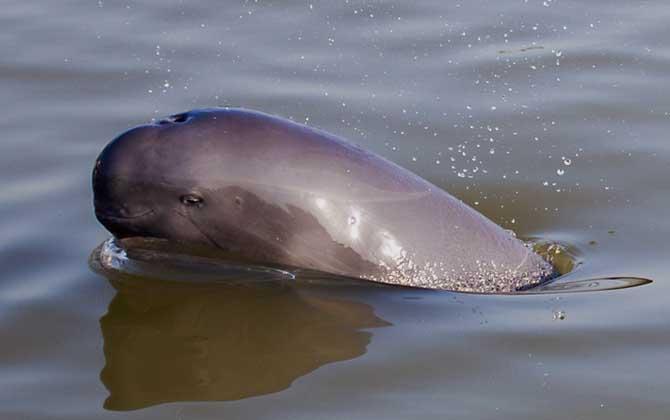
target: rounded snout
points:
(121, 207)
(119, 200)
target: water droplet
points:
(560, 172)
(352, 220)
(559, 315)
(567, 161)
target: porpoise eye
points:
(192, 200)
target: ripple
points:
(156, 259)
(588, 285)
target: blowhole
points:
(179, 118)
(175, 119)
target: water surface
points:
(550, 117)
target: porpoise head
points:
(145, 181)
(205, 178)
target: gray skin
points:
(269, 191)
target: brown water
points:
(549, 117)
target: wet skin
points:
(266, 190)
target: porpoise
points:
(269, 191)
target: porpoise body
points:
(269, 191)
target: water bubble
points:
(559, 315)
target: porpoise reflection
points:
(169, 341)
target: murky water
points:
(550, 117)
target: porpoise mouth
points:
(124, 224)
(120, 217)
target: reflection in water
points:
(169, 341)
